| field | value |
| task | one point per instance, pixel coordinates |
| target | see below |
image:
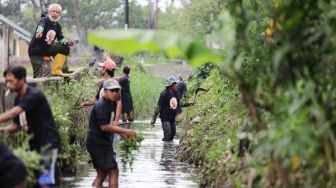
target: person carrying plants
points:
(126, 96)
(43, 43)
(98, 141)
(32, 114)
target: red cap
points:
(108, 64)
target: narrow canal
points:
(154, 164)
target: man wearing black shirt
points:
(43, 43)
(31, 113)
(98, 141)
(126, 96)
(168, 105)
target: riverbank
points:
(210, 129)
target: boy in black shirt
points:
(98, 141)
(31, 113)
(126, 96)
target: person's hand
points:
(81, 105)
(3, 130)
(115, 123)
(70, 42)
(152, 122)
(130, 133)
(38, 35)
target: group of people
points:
(31, 112)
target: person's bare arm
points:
(116, 129)
(10, 114)
(156, 113)
(87, 103)
(118, 112)
(10, 128)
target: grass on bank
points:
(145, 88)
(72, 123)
(212, 144)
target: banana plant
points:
(127, 42)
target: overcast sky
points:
(162, 3)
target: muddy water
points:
(154, 164)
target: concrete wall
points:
(22, 49)
(6, 102)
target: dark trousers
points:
(39, 69)
(169, 130)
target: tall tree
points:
(194, 18)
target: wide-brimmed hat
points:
(170, 81)
(111, 84)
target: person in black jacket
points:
(43, 43)
(181, 87)
(168, 105)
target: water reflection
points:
(167, 157)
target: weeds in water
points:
(128, 147)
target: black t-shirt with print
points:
(39, 47)
(12, 169)
(166, 101)
(38, 117)
(101, 114)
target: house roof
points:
(24, 34)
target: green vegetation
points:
(145, 88)
(145, 100)
(278, 55)
(213, 138)
(72, 123)
(128, 147)
(273, 90)
(31, 159)
(64, 99)
(19, 143)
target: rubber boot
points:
(57, 66)
(166, 131)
